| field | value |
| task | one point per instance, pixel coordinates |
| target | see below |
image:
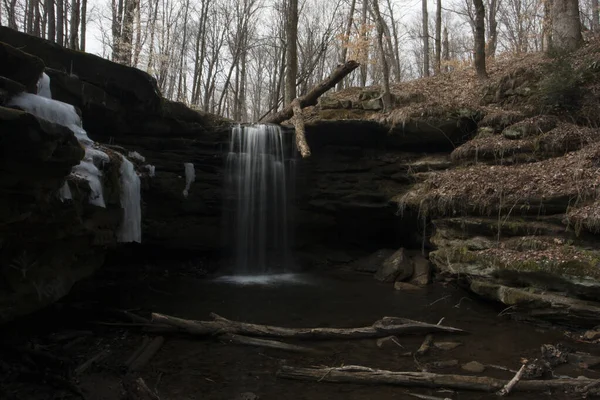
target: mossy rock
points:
(369, 94)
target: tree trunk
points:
(60, 12)
(595, 25)
(364, 59)
(346, 39)
(425, 38)
(480, 39)
(298, 120)
(73, 35)
(566, 27)
(396, 50)
(292, 52)
(438, 37)
(310, 99)
(51, 20)
(492, 28)
(386, 97)
(83, 24)
(446, 48)
(127, 38)
(547, 26)
(30, 15)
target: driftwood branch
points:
(511, 384)
(384, 327)
(310, 99)
(369, 376)
(271, 344)
(300, 131)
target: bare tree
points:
(386, 96)
(438, 37)
(292, 51)
(566, 26)
(479, 41)
(425, 38)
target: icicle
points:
(43, 86)
(131, 227)
(65, 192)
(134, 155)
(151, 170)
(88, 171)
(190, 176)
(53, 111)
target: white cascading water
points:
(43, 106)
(131, 227)
(190, 177)
(259, 174)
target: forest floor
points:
(41, 357)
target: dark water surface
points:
(203, 369)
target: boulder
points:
(474, 367)
(372, 263)
(396, 267)
(46, 244)
(19, 66)
(422, 271)
(405, 287)
(372, 105)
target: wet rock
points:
(326, 102)
(246, 396)
(396, 267)
(389, 341)
(372, 262)
(406, 287)
(474, 367)
(592, 335)
(422, 271)
(372, 105)
(442, 364)
(19, 66)
(369, 94)
(447, 345)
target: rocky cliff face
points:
(47, 244)
(512, 213)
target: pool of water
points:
(192, 368)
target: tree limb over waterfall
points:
(369, 376)
(220, 326)
(310, 99)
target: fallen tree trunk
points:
(310, 99)
(369, 376)
(300, 131)
(384, 327)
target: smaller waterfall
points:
(43, 106)
(259, 182)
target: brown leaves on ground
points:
(572, 179)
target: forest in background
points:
(245, 58)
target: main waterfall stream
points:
(258, 188)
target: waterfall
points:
(259, 183)
(43, 106)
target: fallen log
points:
(385, 327)
(271, 344)
(300, 131)
(310, 99)
(368, 376)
